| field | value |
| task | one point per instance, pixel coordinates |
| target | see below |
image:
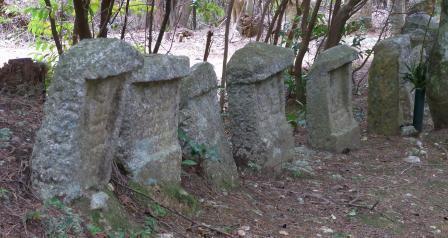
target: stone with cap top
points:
(330, 121)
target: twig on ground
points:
(174, 211)
(408, 168)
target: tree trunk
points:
(340, 16)
(295, 24)
(151, 24)
(75, 34)
(105, 14)
(163, 26)
(82, 21)
(194, 17)
(274, 19)
(226, 49)
(54, 32)
(125, 23)
(208, 45)
(278, 28)
(260, 24)
(300, 86)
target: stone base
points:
(339, 141)
(163, 168)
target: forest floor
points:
(369, 192)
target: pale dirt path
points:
(193, 47)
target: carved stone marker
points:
(261, 135)
(202, 127)
(74, 147)
(148, 146)
(329, 117)
(390, 100)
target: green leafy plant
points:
(297, 119)
(199, 152)
(417, 75)
(4, 194)
(57, 219)
(208, 10)
(158, 210)
(178, 193)
(93, 229)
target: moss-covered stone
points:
(112, 219)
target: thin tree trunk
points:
(163, 26)
(278, 28)
(126, 12)
(306, 5)
(194, 17)
(260, 24)
(54, 32)
(151, 23)
(300, 89)
(340, 16)
(274, 19)
(226, 49)
(81, 15)
(105, 14)
(208, 45)
(294, 26)
(75, 34)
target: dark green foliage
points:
(417, 75)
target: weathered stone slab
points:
(202, 125)
(261, 135)
(416, 24)
(329, 117)
(438, 87)
(148, 145)
(390, 99)
(73, 149)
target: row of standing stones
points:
(107, 102)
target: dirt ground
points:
(370, 192)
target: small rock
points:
(336, 176)
(412, 159)
(283, 233)
(300, 200)
(110, 187)
(166, 235)
(419, 144)
(241, 233)
(99, 200)
(325, 229)
(364, 138)
(408, 131)
(245, 228)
